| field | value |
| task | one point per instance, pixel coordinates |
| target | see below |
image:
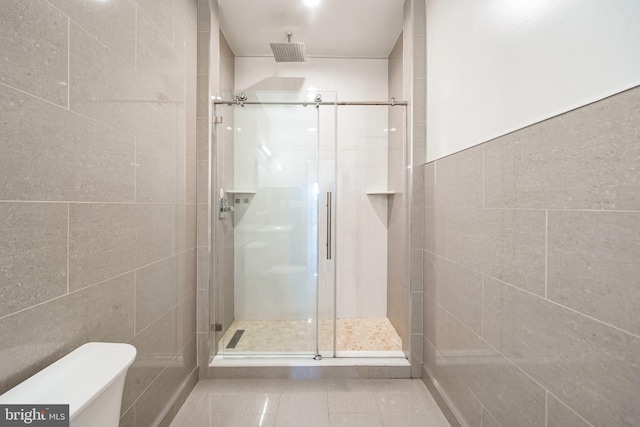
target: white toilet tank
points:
(90, 380)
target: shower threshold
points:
(308, 368)
(386, 359)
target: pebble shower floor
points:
(286, 336)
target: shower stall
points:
(306, 199)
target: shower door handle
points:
(329, 224)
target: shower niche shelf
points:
(380, 193)
(241, 191)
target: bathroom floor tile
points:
(310, 403)
(364, 419)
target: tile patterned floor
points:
(277, 336)
(310, 403)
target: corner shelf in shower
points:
(380, 193)
(240, 191)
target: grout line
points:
(95, 284)
(482, 306)
(546, 252)
(490, 208)
(173, 232)
(546, 408)
(567, 308)
(36, 97)
(135, 169)
(100, 41)
(175, 356)
(135, 292)
(512, 363)
(62, 296)
(68, 242)
(68, 110)
(164, 36)
(68, 63)
(575, 413)
(135, 41)
(536, 295)
(483, 204)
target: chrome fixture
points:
(289, 51)
(224, 208)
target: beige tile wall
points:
(98, 189)
(397, 264)
(415, 54)
(216, 62)
(531, 273)
(205, 50)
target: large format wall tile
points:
(186, 268)
(112, 22)
(456, 288)
(585, 159)
(592, 367)
(435, 230)
(187, 180)
(156, 174)
(97, 165)
(155, 350)
(161, 13)
(506, 244)
(204, 17)
(593, 265)
(33, 254)
(55, 154)
(468, 405)
(510, 395)
(559, 415)
(488, 420)
(155, 291)
(157, 59)
(158, 395)
(434, 321)
(558, 222)
(430, 184)
(35, 338)
(110, 239)
(109, 90)
(458, 179)
(186, 320)
(34, 44)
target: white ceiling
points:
(334, 28)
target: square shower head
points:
(289, 51)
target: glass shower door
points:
(276, 201)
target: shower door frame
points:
(213, 180)
(232, 100)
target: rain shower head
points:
(289, 51)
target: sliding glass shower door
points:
(275, 201)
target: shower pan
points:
(273, 229)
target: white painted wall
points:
(362, 153)
(495, 66)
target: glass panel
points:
(275, 201)
(222, 231)
(371, 205)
